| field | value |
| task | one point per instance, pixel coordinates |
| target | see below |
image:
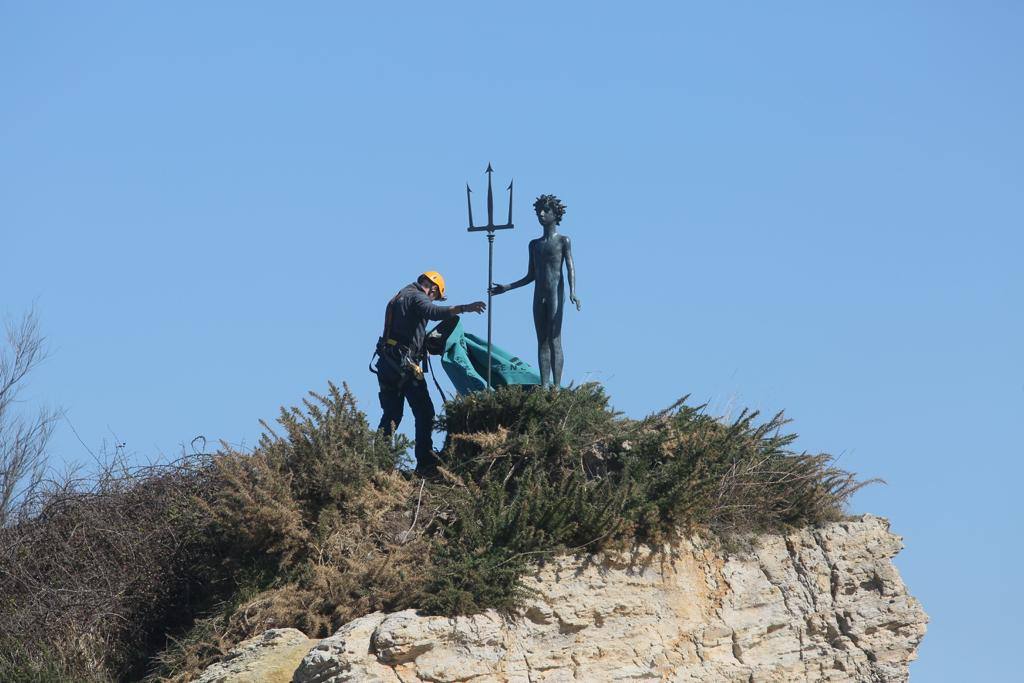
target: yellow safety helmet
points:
(437, 279)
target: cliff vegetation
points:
(155, 572)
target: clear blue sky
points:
(804, 206)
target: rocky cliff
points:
(821, 604)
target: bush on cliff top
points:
(164, 569)
(547, 471)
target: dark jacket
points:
(409, 312)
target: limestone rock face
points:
(267, 658)
(821, 604)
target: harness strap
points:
(386, 337)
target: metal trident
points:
(490, 228)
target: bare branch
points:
(23, 438)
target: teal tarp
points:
(465, 362)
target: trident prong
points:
(509, 188)
(489, 228)
(490, 196)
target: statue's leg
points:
(555, 337)
(543, 347)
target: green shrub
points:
(329, 449)
(697, 471)
(251, 516)
(558, 430)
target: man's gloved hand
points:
(499, 289)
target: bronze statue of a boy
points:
(547, 253)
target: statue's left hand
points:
(572, 298)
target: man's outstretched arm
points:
(432, 311)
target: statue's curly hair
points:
(552, 202)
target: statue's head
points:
(551, 203)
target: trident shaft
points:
(490, 228)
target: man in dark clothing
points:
(399, 372)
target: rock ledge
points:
(821, 604)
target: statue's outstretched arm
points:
(571, 267)
(525, 280)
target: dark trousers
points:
(392, 403)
